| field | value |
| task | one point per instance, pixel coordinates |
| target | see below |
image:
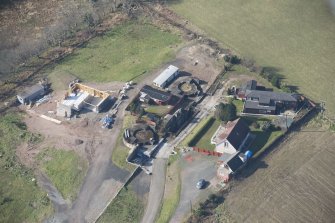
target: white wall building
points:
(166, 76)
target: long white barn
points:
(166, 76)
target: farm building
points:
(248, 86)
(83, 96)
(159, 97)
(30, 94)
(166, 76)
(231, 138)
(268, 102)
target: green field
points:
(124, 53)
(65, 169)
(21, 200)
(295, 37)
(125, 208)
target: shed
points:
(166, 76)
(31, 93)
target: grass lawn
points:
(204, 141)
(188, 139)
(172, 191)
(21, 200)
(239, 105)
(122, 54)
(263, 138)
(65, 169)
(125, 208)
(120, 152)
(158, 110)
(295, 37)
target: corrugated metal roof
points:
(31, 91)
(165, 75)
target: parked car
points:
(200, 184)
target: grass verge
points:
(21, 200)
(122, 54)
(125, 208)
(65, 169)
(120, 152)
(172, 190)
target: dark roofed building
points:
(268, 102)
(156, 95)
(249, 85)
(232, 162)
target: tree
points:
(225, 112)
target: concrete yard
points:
(194, 166)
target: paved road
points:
(156, 193)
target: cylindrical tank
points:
(248, 154)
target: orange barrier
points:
(207, 152)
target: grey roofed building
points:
(31, 93)
(166, 76)
(156, 94)
(267, 96)
(256, 105)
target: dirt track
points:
(295, 183)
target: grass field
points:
(124, 53)
(21, 200)
(120, 152)
(295, 37)
(125, 208)
(67, 177)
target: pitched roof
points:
(235, 163)
(31, 90)
(266, 96)
(235, 133)
(165, 75)
(155, 93)
(256, 105)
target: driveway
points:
(195, 166)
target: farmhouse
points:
(268, 102)
(31, 93)
(166, 76)
(159, 97)
(232, 137)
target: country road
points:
(156, 193)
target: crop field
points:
(21, 200)
(294, 38)
(66, 177)
(295, 183)
(126, 52)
